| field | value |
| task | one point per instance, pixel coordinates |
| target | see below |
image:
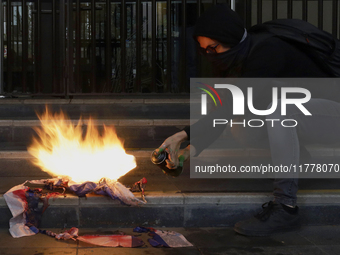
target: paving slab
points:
(299, 250)
(206, 241)
(149, 251)
(330, 249)
(330, 234)
(35, 241)
(38, 251)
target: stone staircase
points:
(181, 201)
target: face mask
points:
(224, 60)
(231, 57)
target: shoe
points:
(273, 219)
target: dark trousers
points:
(323, 127)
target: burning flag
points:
(92, 162)
(87, 163)
(61, 150)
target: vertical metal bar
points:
(157, 38)
(78, 45)
(248, 13)
(233, 5)
(304, 10)
(162, 40)
(290, 9)
(199, 57)
(70, 79)
(335, 18)
(62, 36)
(116, 41)
(147, 29)
(2, 34)
(108, 55)
(174, 46)
(153, 45)
(24, 46)
(100, 18)
(123, 21)
(320, 14)
(101, 37)
(259, 11)
(138, 44)
(274, 9)
(38, 63)
(130, 45)
(184, 51)
(83, 34)
(19, 31)
(17, 35)
(9, 46)
(54, 38)
(131, 21)
(168, 45)
(93, 45)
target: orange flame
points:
(61, 150)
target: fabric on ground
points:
(112, 240)
(111, 188)
(143, 230)
(160, 238)
(17, 204)
(69, 234)
(24, 202)
(172, 239)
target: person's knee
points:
(250, 136)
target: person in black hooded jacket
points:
(236, 52)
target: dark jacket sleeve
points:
(202, 133)
(187, 130)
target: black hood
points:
(220, 23)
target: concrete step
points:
(16, 167)
(97, 108)
(136, 133)
(139, 122)
(171, 209)
(182, 201)
(172, 202)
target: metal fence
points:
(64, 47)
